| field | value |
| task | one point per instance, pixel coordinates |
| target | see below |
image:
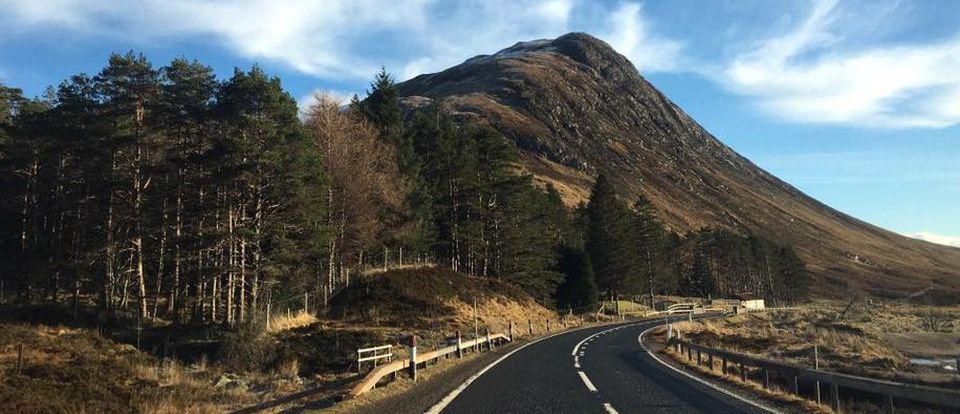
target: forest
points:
(168, 193)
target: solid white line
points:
(610, 408)
(576, 361)
(443, 403)
(587, 381)
(698, 379)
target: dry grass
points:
(626, 306)
(852, 339)
(285, 322)
(78, 371)
(732, 377)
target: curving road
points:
(595, 370)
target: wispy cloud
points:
(342, 39)
(630, 34)
(317, 38)
(936, 238)
(811, 75)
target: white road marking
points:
(698, 379)
(578, 351)
(587, 381)
(443, 403)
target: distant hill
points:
(575, 107)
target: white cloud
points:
(936, 238)
(630, 34)
(811, 75)
(341, 39)
(313, 37)
(306, 101)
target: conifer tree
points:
(579, 288)
(611, 241)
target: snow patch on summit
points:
(518, 49)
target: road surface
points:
(595, 370)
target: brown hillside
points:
(435, 298)
(575, 107)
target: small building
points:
(749, 302)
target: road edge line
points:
(700, 380)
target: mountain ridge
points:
(575, 107)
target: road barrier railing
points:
(417, 360)
(374, 354)
(889, 390)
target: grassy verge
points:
(868, 339)
(77, 371)
(788, 402)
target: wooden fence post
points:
(699, 358)
(19, 358)
(835, 397)
(489, 343)
(710, 361)
(724, 366)
(530, 327)
(816, 366)
(511, 331)
(459, 345)
(476, 327)
(413, 357)
(548, 326)
(743, 373)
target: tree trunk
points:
(109, 284)
(162, 253)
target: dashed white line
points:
(446, 400)
(577, 353)
(587, 381)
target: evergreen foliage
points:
(579, 288)
(611, 241)
(146, 187)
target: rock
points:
(230, 382)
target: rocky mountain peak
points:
(575, 107)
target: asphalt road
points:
(615, 375)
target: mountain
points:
(575, 107)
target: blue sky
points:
(857, 103)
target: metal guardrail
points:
(374, 354)
(392, 368)
(888, 389)
(490, 340)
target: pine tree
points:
(579, 288)
(611, 241)
(382, 109)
